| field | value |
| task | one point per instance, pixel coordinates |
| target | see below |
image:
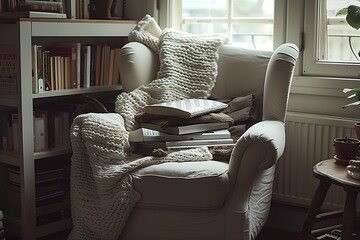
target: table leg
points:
(315, 206)
(349, 214)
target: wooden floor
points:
(275, 234)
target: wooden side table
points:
(328, 172)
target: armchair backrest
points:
(241, 71)
(266, 74)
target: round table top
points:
(335, 172)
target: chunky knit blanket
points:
(102, 195)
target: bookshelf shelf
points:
(52, 152)
(66, 92)
(80, 28)
(24, 106)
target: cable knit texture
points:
(188, 68)
(102, 195)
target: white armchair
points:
(210, 199)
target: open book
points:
(185, 108)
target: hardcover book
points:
(186, 129)
(192, 143)
(185, 108)
(148, 135)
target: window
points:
(337, 40)
(331, 45)
(249, 23)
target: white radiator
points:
(309, 140)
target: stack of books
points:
(32, 9)
(182, 124)
(2, 232)
(52, 193)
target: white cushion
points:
(194, 185)
(240, 72)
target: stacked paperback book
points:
(182, 124)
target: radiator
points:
(309, 140)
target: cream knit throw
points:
(102, 196)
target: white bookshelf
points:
(21, 34)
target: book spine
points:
(39, 69)
(111, 66)
(87, 65)
(93, 65)
(46, 71)
(98, 64)
(70, 8)
(39, 133)
(35, 86)
(73, 67)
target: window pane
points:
(253, 8)
(209, 28)
(337, 40)
(204, 8)
(253, 35)
(326, 54)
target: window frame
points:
(312, 66)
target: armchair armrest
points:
(251, 173)
(258, 149)
(138, 65)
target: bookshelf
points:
(21, 35)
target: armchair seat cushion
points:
(190, 185)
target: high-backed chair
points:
(212, 200)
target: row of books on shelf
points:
(52, 191)
(51, 125)
(32, 8)
(51, 130)
(74, 66)
(75, 9)
(164, 126)
(56, 6)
